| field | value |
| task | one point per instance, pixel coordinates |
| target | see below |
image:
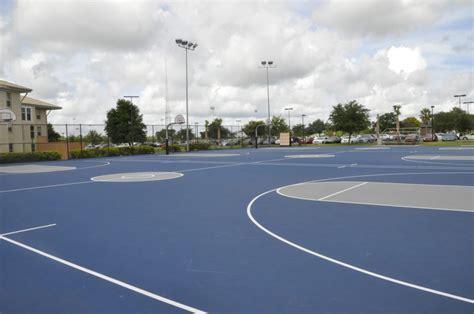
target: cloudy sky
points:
(84, 55)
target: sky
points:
(84, 55)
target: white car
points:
(320, 140)
(345, 139)
(466, 137)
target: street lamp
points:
(289, 121)
(459, 97)
(432, 124)
(468, 103)
(186, 46)
(268, 65)
(302, 122)
(131, 100)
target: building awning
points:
(14, 87)
(39, 103)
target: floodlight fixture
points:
(264, 62)
(270, 62)
(187, 45)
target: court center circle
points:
(137, 177)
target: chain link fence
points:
(65, 138)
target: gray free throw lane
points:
(438, 157)
(443, 197)
(33, 168)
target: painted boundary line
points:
(434, 162)
(342, 191)
(45, 186)
(341, 263)
(93, 273)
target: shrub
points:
(173, 148)
(112, 151)
(28, 157)
(199, 146)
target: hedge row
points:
(28, 157)
(112, 151)
(199, 146)
(173, 148)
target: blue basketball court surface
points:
(268, 230)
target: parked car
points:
(308, 140)
(449, 137)
(412, 138)
(320, 140)
(466, 137)
(438, 136)
(333, 140)
(345, 139)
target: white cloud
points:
(84, 55)
(405, 60)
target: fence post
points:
(80, 134)
(67, 142)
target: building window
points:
(38, 130)
(10, 148)
(10, 129)
(26, 113)
(33, 147)
(38, 117)
(9, 99)
(32, 131)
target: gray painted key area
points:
(33, 169)
(137, 177)
(441, 197)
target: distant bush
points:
(27, 157)
(112, 151)
(199, 146)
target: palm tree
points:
(396, 110)
(425, 115)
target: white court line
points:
(345, 190)
(29, 229)
(453, 165)
(435, 157)
(341, 263)
(44, 186)
(104, 277)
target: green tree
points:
(410, 122)
(297, 130)
(181, 135)
(350, 118)
(316, 127)
(249, 128)
(93, 137)
(124, 123)
(215, 127)
(278, 126)
(161, 135)
(53, 136)
(387, 121)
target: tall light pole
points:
(302, 122)
(289, 121)
(186, 46)
(432, 124)
(468, 103)
(131, 100)
(268, 65)
(459, 97)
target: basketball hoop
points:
(8, 116)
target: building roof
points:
(39, 103)
(15, 87)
